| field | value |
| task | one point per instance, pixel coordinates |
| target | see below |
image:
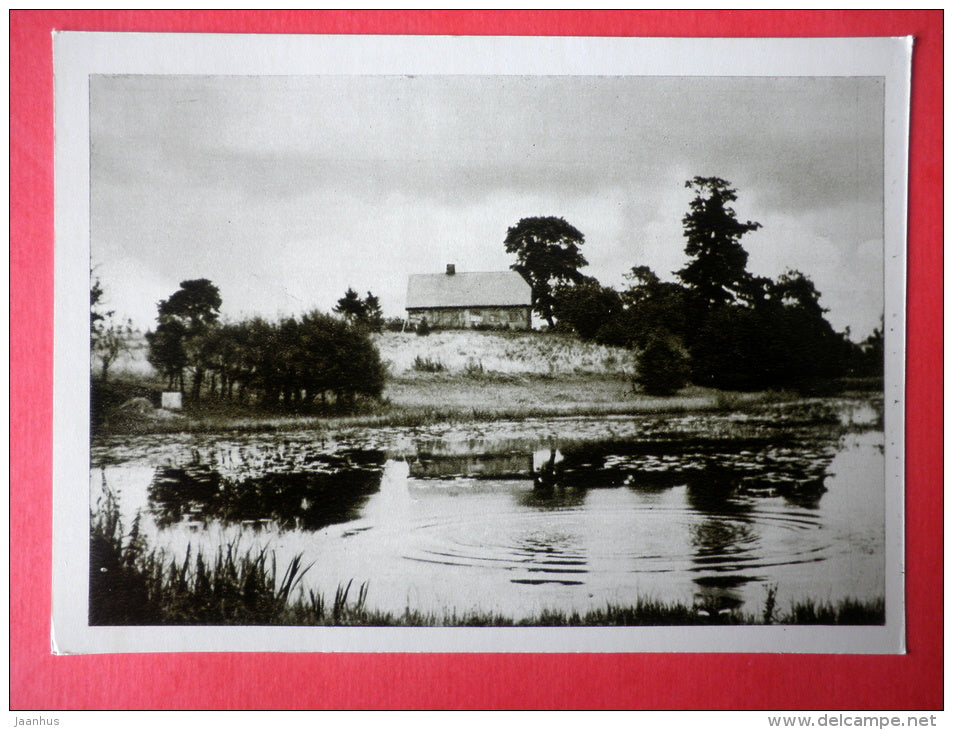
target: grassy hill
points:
(510, 353)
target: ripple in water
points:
(618, 544)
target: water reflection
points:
(550, 490)
(681, 511)
(479, 466)
(721, 538)
(301, 500)
(796, 473)
(720, 474)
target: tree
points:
(108, 338)
(373, 315)
(366, 312)
(794, 289)
(167, 352)
(114, 338)
(195, 304)
(183, 319)
(350, 305)
(782, 341)
(97, 315)
(871, 352)
(650, 308)
(585, 306)
(547, 253)
(717, 272)
(643, 283)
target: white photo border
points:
(78, 55)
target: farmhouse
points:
(498, 299)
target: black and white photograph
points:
(553, 345)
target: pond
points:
(564, 513)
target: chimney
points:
(451, 269)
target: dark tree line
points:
(293, 363)
(718, 325)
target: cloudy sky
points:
(285, 191)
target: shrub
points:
(326, 355)
(426, 365)
(474, 369)
(663, 365)
(423, 327)
(106, 397)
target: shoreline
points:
(430, 399)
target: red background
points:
(40, 681)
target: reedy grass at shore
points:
(133, 585)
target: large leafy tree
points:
(167, 352)
(195, 305)
(652, 309)
(547, 254)
(716, 273)
(179, 339)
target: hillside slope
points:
(501, 352)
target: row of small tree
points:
(718, 325)
(109, 336)
(292, 363)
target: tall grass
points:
(130, 585)
(849, 612)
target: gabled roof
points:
(472, 289)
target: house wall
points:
(514, 318)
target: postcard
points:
(479, 344)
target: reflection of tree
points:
(719, 593)
(714, 490)
(549, 491)
(726, 526)
(725, 532)
(306, 500)
(722, 475)
(720, 536)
